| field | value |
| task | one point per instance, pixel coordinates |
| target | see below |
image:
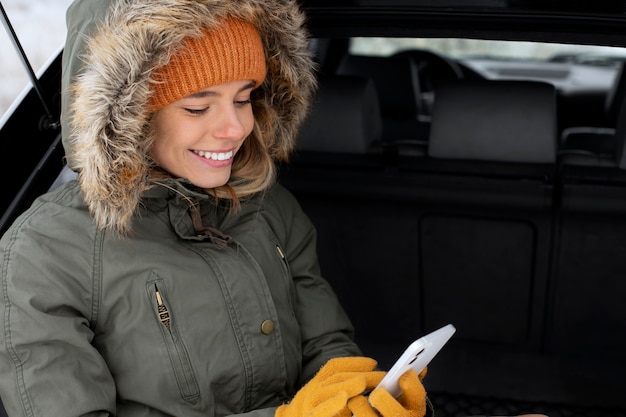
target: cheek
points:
(161, 142)
(248, 122)
(156, 150)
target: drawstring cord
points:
(218, 238)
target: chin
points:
(213, 182)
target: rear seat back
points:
(486, 209)
(506, 121)
(589, 287)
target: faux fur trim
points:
(108, 142)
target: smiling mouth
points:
(215, 156)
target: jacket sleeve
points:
(325, 327)
(47, 363)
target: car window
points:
(40, 29)
(495, 50)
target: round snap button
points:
(267, 327)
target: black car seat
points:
(397, 84)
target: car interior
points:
(488, 194)
(486, 203)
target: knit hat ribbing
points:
(232, 51)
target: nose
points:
(229, 124)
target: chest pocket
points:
(177, 352)
(268, 252)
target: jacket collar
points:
(192, 213)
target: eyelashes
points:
(197, 112)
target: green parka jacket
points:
(197, 310)
(168, 321)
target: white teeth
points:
(216, 156)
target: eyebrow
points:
(209, 93)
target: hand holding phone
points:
(416, 357)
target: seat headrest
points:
(510, 121)
(395, 79)
(345, 117)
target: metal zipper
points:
(164, 314)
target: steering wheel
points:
(432, 70)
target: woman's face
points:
(198, 136)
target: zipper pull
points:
(282, 256)
(164, 315)
(281, 253)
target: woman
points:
(175, 277)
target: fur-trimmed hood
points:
(111, 50)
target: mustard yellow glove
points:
(328, 392)
(411, 403)
(361, 407)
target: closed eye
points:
(196, 112)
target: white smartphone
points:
(416, 356)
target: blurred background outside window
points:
(40, 27)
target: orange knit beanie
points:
(232, 51)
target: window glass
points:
(496, 50)
(40, 28)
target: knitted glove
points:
(412, 402)
(327, 393)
